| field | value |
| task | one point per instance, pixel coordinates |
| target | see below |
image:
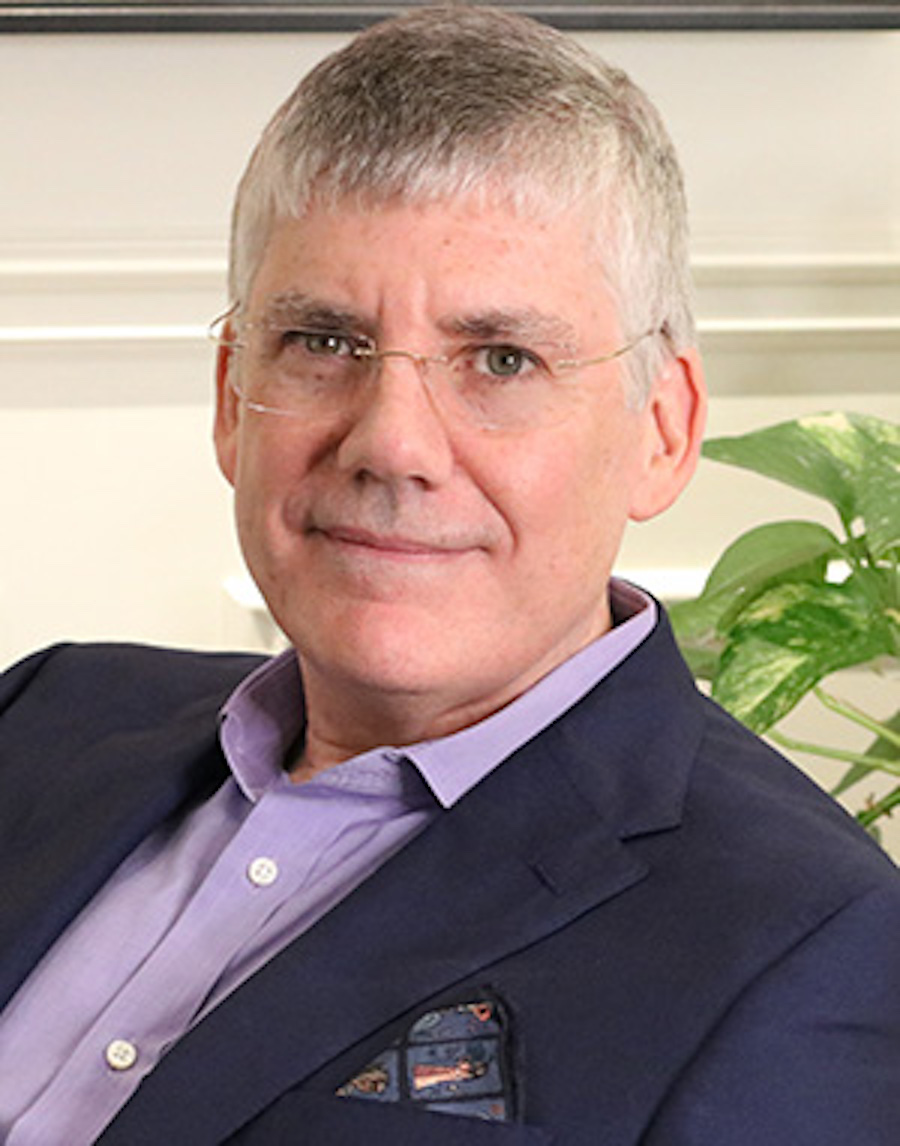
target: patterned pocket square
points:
(455, 1059)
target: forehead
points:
(437, 261)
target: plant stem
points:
(842, 708)
(883, 808)
(846, 757)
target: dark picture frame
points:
(289, 16)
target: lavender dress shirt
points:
(203, 903)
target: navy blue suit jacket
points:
(693, 946)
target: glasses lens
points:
(301, 371)
(503, 387)
(309, 372)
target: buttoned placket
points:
(243, 890)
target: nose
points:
(397, 433)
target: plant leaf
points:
(789, 638)
(694, 625)
(696, 622)
(850, 460)
(878, 500)
(794, 550)
(881, 748)
(702, 660)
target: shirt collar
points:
(455, 763)
(264, 716)
(261, 721)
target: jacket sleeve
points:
(810, 1053)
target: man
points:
(473, 861)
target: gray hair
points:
(456, 100)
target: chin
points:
(381, 654)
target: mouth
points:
(390, 545)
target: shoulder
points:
(790, 918)
(743, 805)
(769, 809)
(770, 889)
(731, 832)
(125, 680)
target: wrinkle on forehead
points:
(528, 325)
(320, 282)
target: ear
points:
(675, 417)
(227, 418)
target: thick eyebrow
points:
(292, 308)
(526, 325)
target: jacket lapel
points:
(63, 840)
(536, 844)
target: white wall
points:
(119, 157)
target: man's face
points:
(408, 555)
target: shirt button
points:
(262, 871)
(121, 1054)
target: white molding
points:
(799, 328)
(836, 264)
(100, 266)
(37, 335)
(139, 292)
(802, 325)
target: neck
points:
(346, 716)
(340, 726)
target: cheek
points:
(569, 507)
(273, 458)
(566, 489)
(268, 474)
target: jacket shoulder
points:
(131, 684)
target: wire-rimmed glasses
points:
(296, 371)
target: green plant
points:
(790, 602)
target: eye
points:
(322, 343)
(505, 361)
